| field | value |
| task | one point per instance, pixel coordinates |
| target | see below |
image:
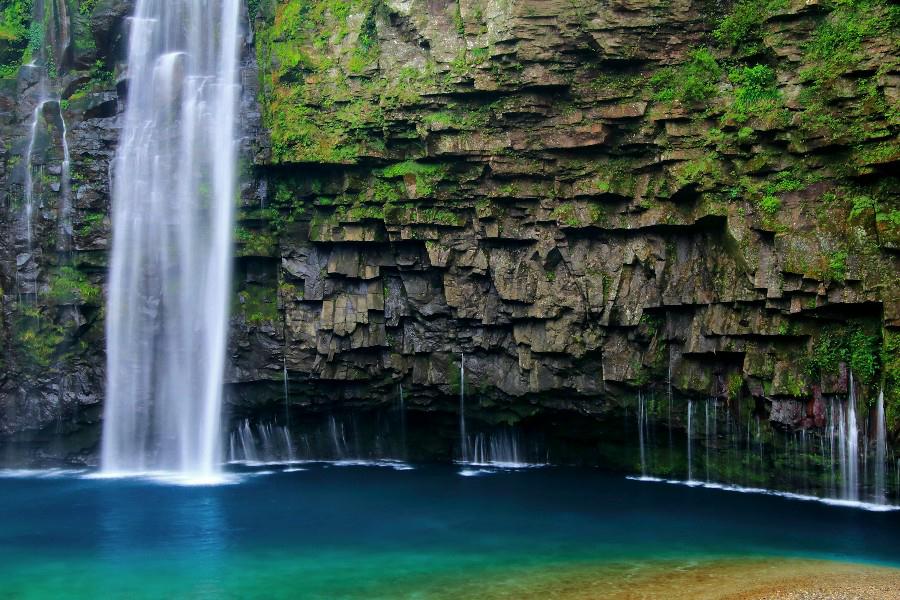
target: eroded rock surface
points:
(583, 198)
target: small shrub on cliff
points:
(692, 82)
(837, 44)
(37, 337)
(258, 305)
(770, 205)
(890, 360)
(837, 265)
(15, 35)
(755, 93)
(14, 18)
(71, 286)
(851, 345)
(863, 350)
(427, 176)
(742, 29)
(86, 7)
(253, 243)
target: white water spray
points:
(173, 199)
(880, 450)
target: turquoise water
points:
(367, 532)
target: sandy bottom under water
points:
(749, 579)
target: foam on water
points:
(40, 473)
(170, 477)
(869, 506)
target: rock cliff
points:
(583, 198)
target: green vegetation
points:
(890, 365)
(15, 16)
(37, 337)
(86, 7)
(287, 206)
(693, 82)
(742, 29)
(855, 346)
(366, 50)
(257, 304)
(426, 176)
(18, 36)
(318, 102)
(566, 214)
(254, 243)
(836, 45)
(837, 265)
(766, 193)
(755, 95)
(91, 224)
(70, 286)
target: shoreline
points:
(712, 579)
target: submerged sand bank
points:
(732, 579)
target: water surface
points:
(332, 531)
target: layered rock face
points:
(584, 199)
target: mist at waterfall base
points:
(360, 532)
(173, 202)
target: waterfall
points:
(641, 419)
(248, 444)
(29, 168)
(880, 449)
(706, 436)
(463, 440)
(503, 448)
(851, 441)
(690, 442)
(402, 421)
(269, 443)
(40, 62)
(173, 201)
(287, 406)
(64, 243)
(843, 431)
(338, 441)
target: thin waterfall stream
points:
(173, 202)
(880, 448)
(463, 438)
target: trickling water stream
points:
(880, 448)
(173, 199)
(463, 438)
(835, 459)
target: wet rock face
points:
(583, 198)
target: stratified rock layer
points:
(583, 198)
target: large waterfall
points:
(173, 199)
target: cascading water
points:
(851, 443)
(29, 168)
(642, 420)
(832, 460)
(463, 438)
(706, 436)
(64, 241)
(690, 441)
(880, 449)
(402, 421)
(173, 199)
